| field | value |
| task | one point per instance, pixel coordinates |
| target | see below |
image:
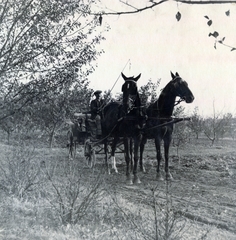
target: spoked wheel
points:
(71, 145)
(73, 149)
(89, 153)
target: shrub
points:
(66, 192)
(20, 171)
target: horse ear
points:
(137, 78)
(172, 75)
(122, 89)
(124, 77)
(177, 75)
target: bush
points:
(69, 197)
(20, 171)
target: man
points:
(96, 106)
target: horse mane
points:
(110, 105)
(153, 108)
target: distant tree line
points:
(214, 128)
(47, 115)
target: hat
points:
(97, 92)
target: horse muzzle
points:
(188, 99)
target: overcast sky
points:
(154, 43)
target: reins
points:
(178, 102)
(174, 120)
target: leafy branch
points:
(216, 34)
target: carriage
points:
(130, 125)
(83, 132)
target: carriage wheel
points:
(73, 150)
(71, 145)
(89, 153)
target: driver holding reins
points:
(96, 106)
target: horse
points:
(125, 120)
(159, 125)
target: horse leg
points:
(113, 149)
(166, 149)
(127, 159)
(70, 142)
(137, 141)
(142, 145)
(131, 153)
(112, 156)
(158, 150)
(106, 156)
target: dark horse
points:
(125, 121)
(159, 114)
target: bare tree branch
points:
(155, 4)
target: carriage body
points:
(79, 132)
(82, 132)
(79, 128)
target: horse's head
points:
(181, 88)
(130, 90)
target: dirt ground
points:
(200, 203)
(203, 190)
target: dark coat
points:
(96, 107)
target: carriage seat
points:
(81, 121)
(92, 126)
(95, 127)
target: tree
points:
(215, 126)
(231, 127)
(44, 45)
(196, 123)
(225, 125)
(50, 112)
(148, 93)
(181, 129)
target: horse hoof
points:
(159, 177)
(143, 169)
(129, 181)
(169, 177)
(136, 180)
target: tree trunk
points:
(51, 137)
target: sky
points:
(154, 43)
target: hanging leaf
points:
(100, 20)
(206, 17)
(227, 13)
(214, 34)
(209, 22)
(233, 49)
(222, 40)
(215, 45)
(178, 16)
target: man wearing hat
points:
(96, 106)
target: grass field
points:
(46, 195)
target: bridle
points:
(131, 98)
(181, 97)
(179, 101)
